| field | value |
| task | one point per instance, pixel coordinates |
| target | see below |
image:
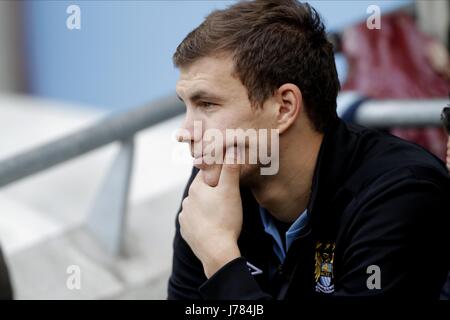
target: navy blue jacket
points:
(379, 221)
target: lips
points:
(199, 163)
(197, 156)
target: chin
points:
(210, 179)
(248, 177)
(211, 174)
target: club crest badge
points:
(323, 272)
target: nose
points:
(188, 132)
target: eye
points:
(205, 104)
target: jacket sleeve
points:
(233, 282)
(401, 231)
(188, 281)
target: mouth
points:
(199, 162)
(202, 161)
(200, 156)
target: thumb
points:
(229, 175)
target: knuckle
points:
(182, 227)
(185, 202)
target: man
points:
(351, 212)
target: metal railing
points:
(117, 127)
(400, 113)
(108, 211)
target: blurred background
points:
(90, 174)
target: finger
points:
(198, 182)
(229, 175)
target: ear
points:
(290, 103)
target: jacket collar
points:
(337, 159)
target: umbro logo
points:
(253, 270)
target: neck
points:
(286, 194)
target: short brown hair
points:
(272, 42)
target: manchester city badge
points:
(324, 267)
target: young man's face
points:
(218, 100)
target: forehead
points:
(212, 74)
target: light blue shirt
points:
(295, 230)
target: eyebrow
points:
(202, 95)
